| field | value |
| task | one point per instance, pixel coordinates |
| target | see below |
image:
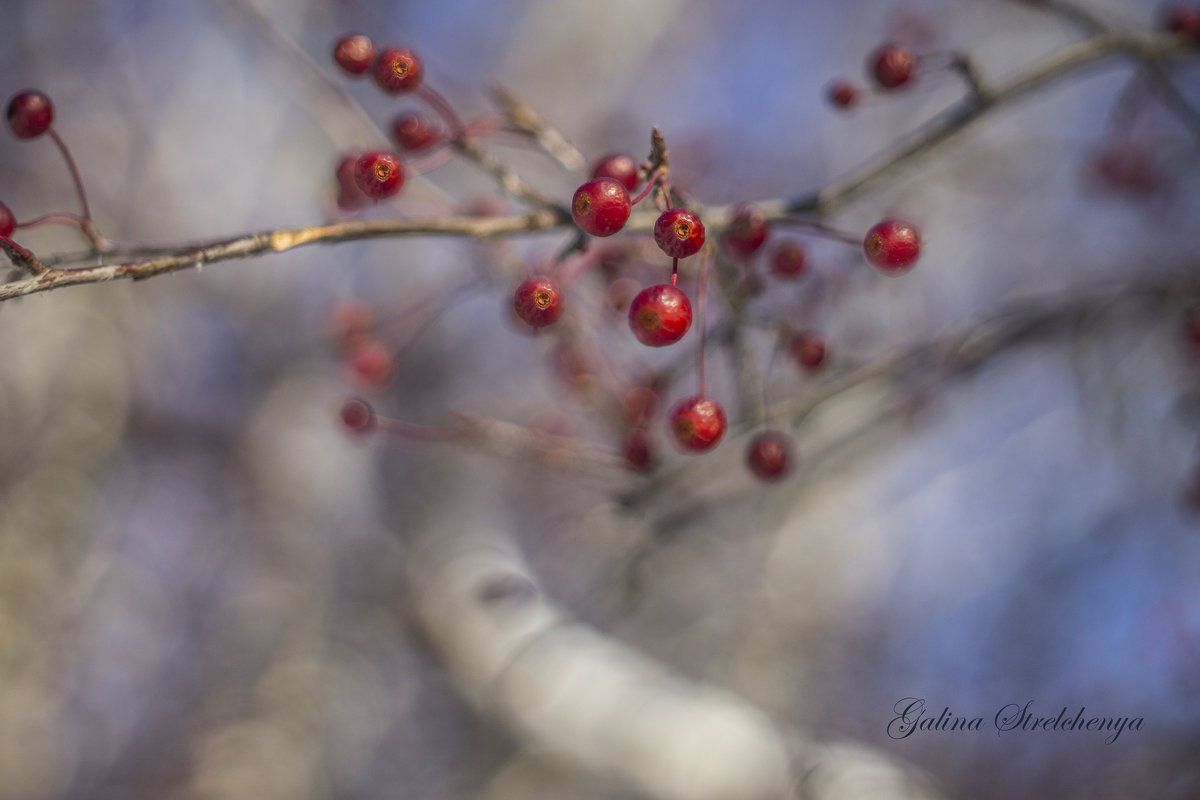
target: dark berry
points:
(679, 233)
(660, 315)
(842, 94)
(892, 246)
(601, 207)
(746, 233)
(30, 114)
(8, 223)
(354, 53)
(371, 363)
(788, 260)
(414, 132)
(538, 302)
(891, 65)
(808, 349)
(1184, 21)
(618, 167)
(379, 174)
(638, 450)
(697, 423)
(358, 416)
(398, 70)
(350, 197)
(769, 455)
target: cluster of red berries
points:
(889, 67)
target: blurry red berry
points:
(746, 232)
(842, 94)
(538, 302)
(660, 315)
(1183, 20)
(679, 233)
(379, 174)
(8, 223)
(892, 246)
(769, 455)
(638, 450)
(618, 167)
(354, 53)
(601, 206)
(30, 114)
(398, 70)
(697, 423)
(371, 363)
(414, 132)
(1128, 170)
(808, 349)
(891, 65)
(358, 416)
(349, 197)
(788, 260)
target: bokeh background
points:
(202, 579)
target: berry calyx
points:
(697, 423)
(354, 53)
(618, 167)
(538, 302)
(398, 70)
(660, 315)
(8, 222)
(788, 260)
(891, 65)
(842, 94)
(679, 233)
(414, 132)
(358, 416)
(769, 455)
(378, 174)
(30, 114)
(808, 349)
(601, 206)
(892, 246)
(638, 450)
(746, 233)
(1184, 21)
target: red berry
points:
(842, 94)
(350, 197)
(746, 232)
(601, 207)
(414, 132)
(358, 416)
(379, 174)
(371, 363)
(788, 260)
(697, 423)
(769, 455)
(618, 167)
(638, 450)
(679, 233)
(8, 223)
(30, 114)
(538, 302)
(398, 70)
(354, 53)
(1128, 170)
(891, 65)
(660, 315)
(809, 350)
(1183, 20)
(892, 246)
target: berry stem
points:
(701, 312)
(821, 229)
(85, 223)
(650, 184)
(674, 271)
(444, 110)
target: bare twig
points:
(529, 122)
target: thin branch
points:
(530, 123)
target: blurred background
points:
(202, 578)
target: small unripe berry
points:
(601, 206)
(697, 423)
(769, 455)
(618, 167)
(8, 223)
(354, 53)
(679, 233)
(808, 349)
(788, 260)
(746, 233)
(30, 114)
(891, 65)
(538, 302)
(842, 94)
(398, 70)
(379, 174)
(892, 246)
(414, 132)
(660, 315)
(358, 416)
